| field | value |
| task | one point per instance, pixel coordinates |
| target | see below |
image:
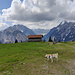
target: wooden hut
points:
(34, 38)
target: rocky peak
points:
(65, 31)
(63, 22)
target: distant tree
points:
(54, 40)
(0, 43)
(16, 41)
(73, 40)
(59, 41)
(21, 40)
(50, 40)
(44, 40)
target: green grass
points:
(28, 59)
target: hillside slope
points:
(19, 32)
(26, 31)
(10, 34)
(29, 59)
(65, 31)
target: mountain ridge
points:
(40, 31)
(65, 31)
(19, 32)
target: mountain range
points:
(26, 31)
(40, 31)
(65, 31)
(19, 32)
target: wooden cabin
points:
(34, 38)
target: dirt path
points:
(71, 66)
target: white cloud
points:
(39, 13)
(3, 25)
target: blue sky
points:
(4, 4)
(34, 14)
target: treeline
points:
(16, 41)
(53, 39)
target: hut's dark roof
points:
(34, 36)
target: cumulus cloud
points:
(30, 10)
(3, 25)
(40, 13)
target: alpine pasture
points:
(29, 58)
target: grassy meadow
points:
(28, 58)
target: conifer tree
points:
(16, 41)
(54, 41)
(44, 40)
(59, 41)
(50, 39)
